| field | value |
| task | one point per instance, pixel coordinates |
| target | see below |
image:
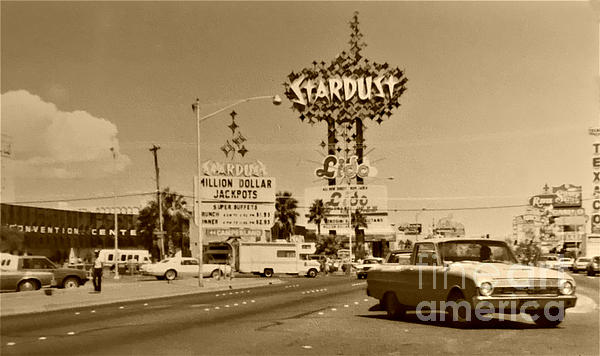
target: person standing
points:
(97, 272)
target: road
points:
(323, 316)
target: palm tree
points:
(317, 214)
(358, 221)
(175, 220)
(285, 214)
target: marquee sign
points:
(595, 220)
(567, 196)
(239, 215)
(334, 167)
(237, 189)
(542, 200)
(247, 169)
(370, 200)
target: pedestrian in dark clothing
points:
(97, 272)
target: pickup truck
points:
(62, 277)
(467, 280)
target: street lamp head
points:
(276, 100)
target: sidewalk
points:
(126, 289)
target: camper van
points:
(268, 258)
(126, 258)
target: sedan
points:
(362, 268)
(171, 268)
(580, 264)
(20, 281)
(593, 267)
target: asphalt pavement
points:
(125, 289)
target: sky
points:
(499, 99)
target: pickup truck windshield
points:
(484, 251)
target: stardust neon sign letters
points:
(342, 89)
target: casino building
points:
(54, 232)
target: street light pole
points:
(114, 153)
(196, 107)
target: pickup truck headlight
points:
(486, 289)
(566, 287)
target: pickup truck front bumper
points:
(515, 304)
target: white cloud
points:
(49, 143)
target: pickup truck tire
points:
(312, 273)
(216, 274)
(540, 318)
(465, 317)
(394, 309)
(70, 282)
(268, 273)
(28, 285)
(170, 274)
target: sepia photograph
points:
(300, 177)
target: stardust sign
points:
(307, 91)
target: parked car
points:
(593, 267)
(548, 261)
(171, 268)
(580, 264)
(463, 277)
(19, 281)
(64, 277)
(565, 263)
(367, 263)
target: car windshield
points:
(482, 251)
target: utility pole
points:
(154, 150)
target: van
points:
(126, 257)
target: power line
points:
(80, 199)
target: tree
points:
(11, 241)
(285, 215)
(175, 222)
(317, 214)
(358, 221)
(328, 245)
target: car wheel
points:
(216, 274)
(555, 317)
(393, 308)
(28, 285)
(312, 273)
(268, 273)
(464, 314)
(170, 274)
(70, 282)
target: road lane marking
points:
(333, 309)
(42, 338)
(217, 308)
(10, 343)
(226, 305)
(243, 302)
(77, 313)
(346, 305)
(355, 303)
(321, 313)
(71, 333)
(206, 309)
(252, 301)
(121, 307)
(93, 311)
(235, 304)
(145, 304)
